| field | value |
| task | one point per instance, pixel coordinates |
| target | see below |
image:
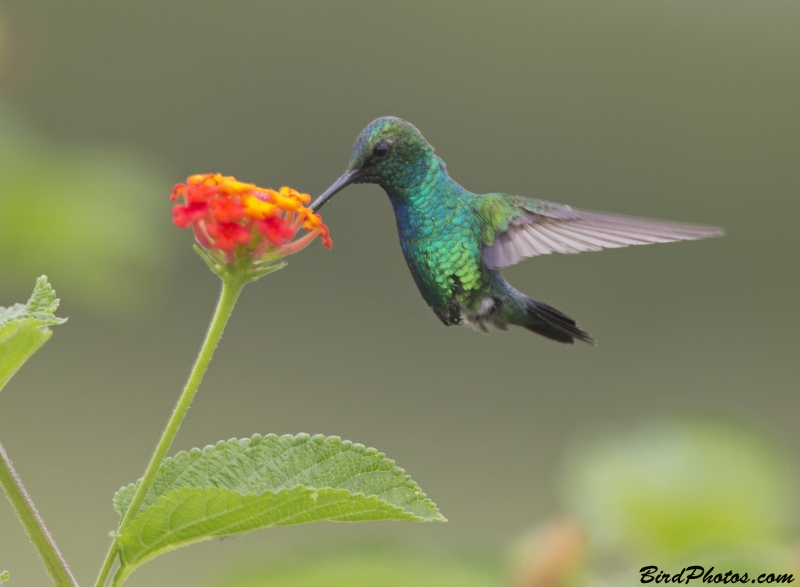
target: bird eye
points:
(381, 150)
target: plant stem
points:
(34, 525)
(108, 564)
(120, 576)
(232, 284)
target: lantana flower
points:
(242, 224)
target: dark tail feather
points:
(553, 324)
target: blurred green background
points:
(681, 110)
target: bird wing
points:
(520, 227)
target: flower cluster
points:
(233, 220)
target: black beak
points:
(349, 177)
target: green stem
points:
(34, 525)
(108, 564)
(232, 284)
(120, 576)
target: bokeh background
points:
(680, 110)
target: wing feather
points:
(536, 247)
(561, 229)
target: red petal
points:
(178, 191)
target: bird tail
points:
(547, 321)
(536, 316)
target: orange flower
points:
(233, 220)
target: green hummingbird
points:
(455, 242)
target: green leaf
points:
(40, 307)
(243, 485)
(23, 328)
(18, 342)
(186, 516)
(3, 577)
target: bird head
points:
(390, 152)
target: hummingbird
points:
(455, 242)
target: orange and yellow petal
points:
(228, 215)
(257, 208)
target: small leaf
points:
(242, 485)
(40, 307)
(17, 343)
(23, 328)
(212, 263)
(3, 577)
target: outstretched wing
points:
(540, 228)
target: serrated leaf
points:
(187, 515)
(271, 463)
(242, 485)
(40, 307)
(23, 328)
